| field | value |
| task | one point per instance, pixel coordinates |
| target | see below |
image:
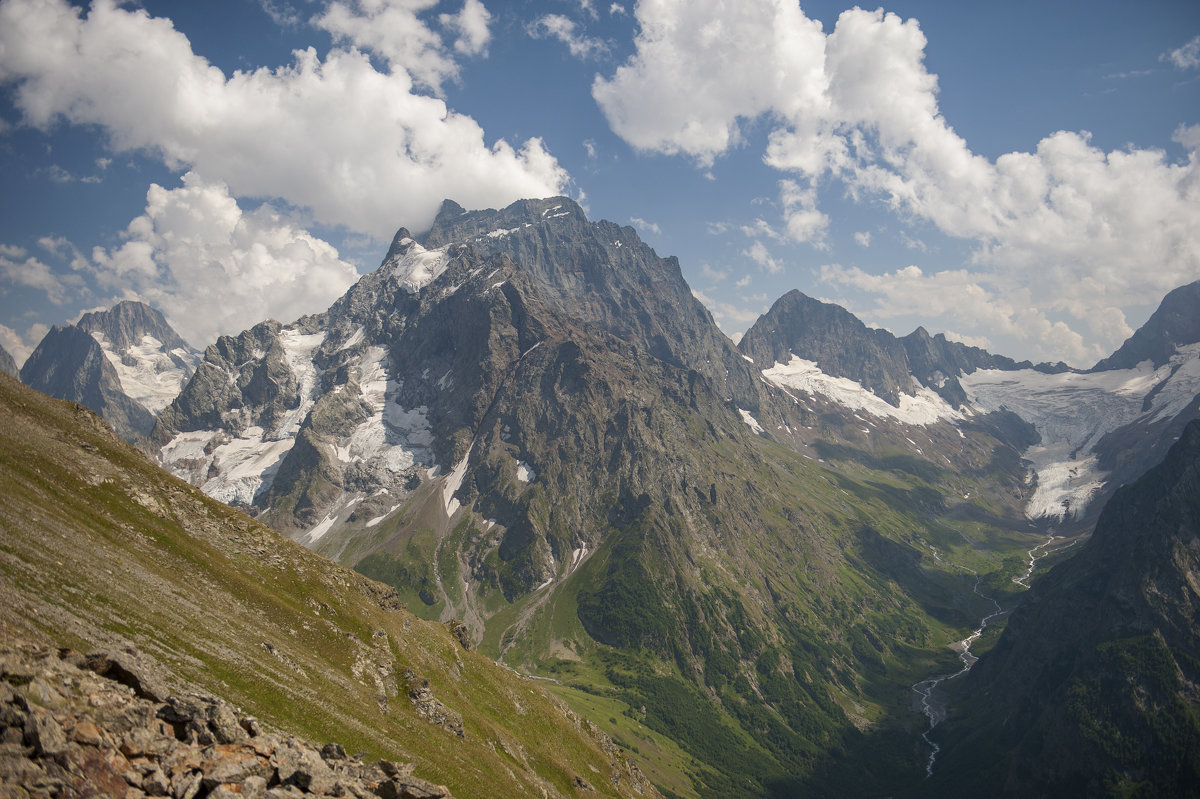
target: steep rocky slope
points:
(1091, 690)
(101, 549)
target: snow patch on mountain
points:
(1073, 411)
(750, 421)
(235, 469)
(416, 267)
(926, 407)
(147, 372)
(232, 470)
(355, 337)
(524, 473)
(454, 482)
(298, 350)
(397, 436)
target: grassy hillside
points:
(100, 547)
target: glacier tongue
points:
(298, 348)
(243, 465)
(1073, 411)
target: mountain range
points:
(734, 559)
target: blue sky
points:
(1022, 176)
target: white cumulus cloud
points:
(649, 227)
(212, 268)
(564, 29)
(1079, 232)
(759, 253)
(358, 146)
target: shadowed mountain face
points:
(601, 275)
(7, 364)
(1091, 690)
(69, 364)
(126, 364)
(103, 550)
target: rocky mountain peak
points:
(411, 265)
(1173, 325)
(70, 364)
(835, 339)
(456, 224)
(128, 322)
(602, 275)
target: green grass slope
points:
(99, 547)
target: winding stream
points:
(925, 688)
(935, 711)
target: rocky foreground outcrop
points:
(104, 724)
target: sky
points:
(1022, 176)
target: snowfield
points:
(417, 267)
(400, 437)
(798, 374)
(1071, 412)
(153, 378)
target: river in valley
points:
(933, 707)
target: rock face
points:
(68, 730)
(1091, 688)
(69, 364)
(601, 275)
(127, 323)
(840, 344)
(7, 364)
(938, 362)
(1173, 325)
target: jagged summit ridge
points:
(128, 322)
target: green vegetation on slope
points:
(99, 547)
